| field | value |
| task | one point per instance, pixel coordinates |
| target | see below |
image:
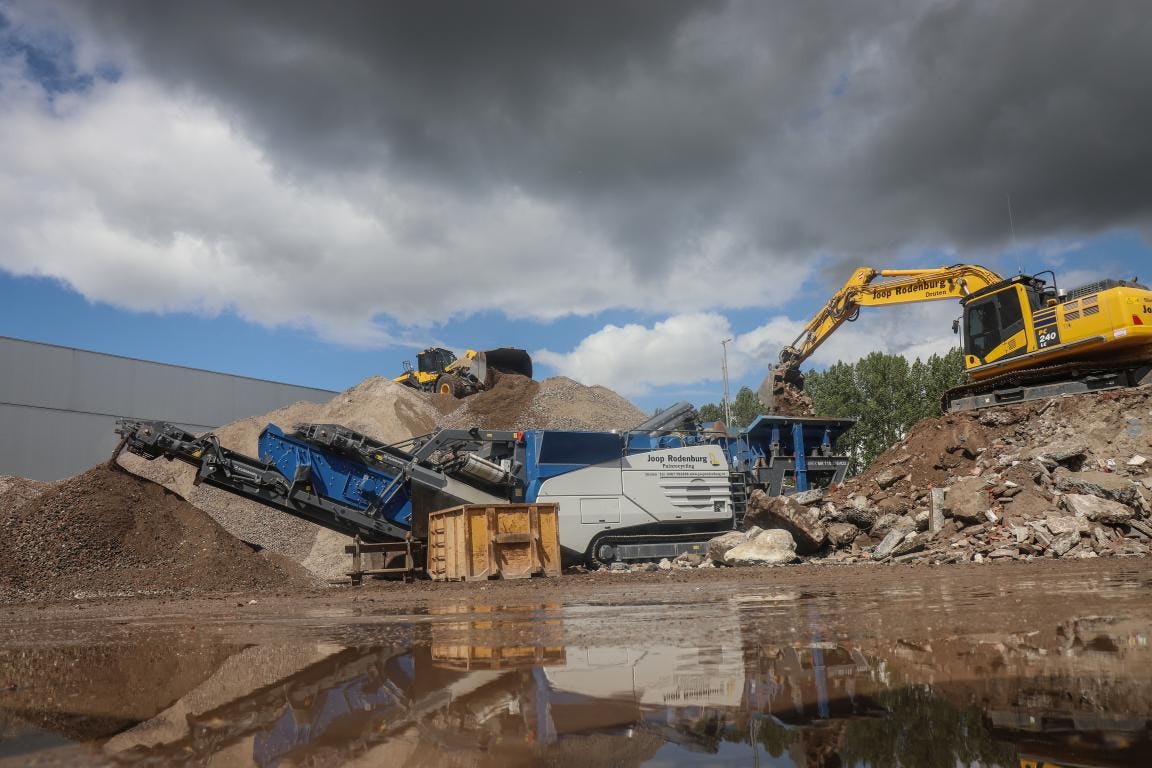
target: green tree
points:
(886, 394)
(710, 413)
(746, 407)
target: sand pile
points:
(108, 533)
(1067, 477)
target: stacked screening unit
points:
(661, 489)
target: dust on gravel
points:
(107, 532)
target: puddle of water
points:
(462, 694)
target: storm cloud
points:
(634, 151)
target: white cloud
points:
(154, 201)
(684, 350)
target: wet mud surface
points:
(998, 665)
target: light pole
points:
(724, 367)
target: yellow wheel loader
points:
(439, 370)
(1023, 338)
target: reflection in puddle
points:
(483, 689)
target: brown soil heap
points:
(106, 533)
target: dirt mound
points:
(15, 491)
(1066, 477)
(106, 533)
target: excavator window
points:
(992, 320)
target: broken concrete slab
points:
(1096, 509)
(888, 478)
(936, 511)
(808, 498)
(1062, 524)
(772, 547)
(1106, 485)
(885, 547)
(784, 512)
(967, 500)
(1063, 543)
(842, 534)
(719, 546)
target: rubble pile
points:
(108, 533)
(790, 401)
(1062, 478)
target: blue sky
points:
(312, 197)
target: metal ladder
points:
(739, 491)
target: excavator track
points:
(608, 549)
(1077, 377)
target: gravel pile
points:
(108, 533)
(562, 403)
(15, 491)
(517, 402)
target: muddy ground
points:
(822, 663)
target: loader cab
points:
(434, 360)
(995, 318)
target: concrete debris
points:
(894, 537)
(1096, 509)
(784, 512)
(842, 534)
(808, 498)
(718, 547)
(772, 547)
(1060, 478)
(888, 478)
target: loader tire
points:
(449, 384)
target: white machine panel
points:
(674, 485)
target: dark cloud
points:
(813, 126)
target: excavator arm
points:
(870, 287)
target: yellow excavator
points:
(439, 370)
(1022, 337)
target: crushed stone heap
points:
(1067, 477)
(108, 533)
(15, 491)
(517, 402)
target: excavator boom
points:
(870, 287)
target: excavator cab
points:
(994, 320)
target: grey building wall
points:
(59, 405)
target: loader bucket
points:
(779, 377)
(502, 360)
